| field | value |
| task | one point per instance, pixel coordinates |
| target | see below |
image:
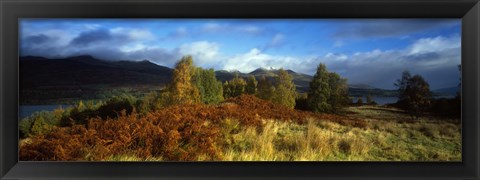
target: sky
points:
(365, 51)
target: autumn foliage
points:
(177, 133)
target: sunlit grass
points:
(382, 140)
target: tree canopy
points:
(182, 88)
(284, 90)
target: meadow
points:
(247, 128)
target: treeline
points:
(328, 91)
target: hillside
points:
(302, 81)
(450, 91)
(85, 77)
(84, 71)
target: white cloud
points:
(204, 53)
(250, 29)
(229, 28)
(255, 58)
(133, 34)
(439, 43)
(277, 40)
(92, 26)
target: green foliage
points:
(235, 87)
(251, 85)
(338, 92)
(414, 94)
(24, 126)
(328, 91)
(149, 103)
(183, 91)
(40, 127)
(265, 89)
(113, 107)
(284, 90)
(320, 91)
(81, 113)
(417, 96)
(44, 120)
(211, 90)
(401, 84)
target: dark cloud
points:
(94, 36)
(387, 27)
(36, 39)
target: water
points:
(379, 99)
(27, 110)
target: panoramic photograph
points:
(240, 90)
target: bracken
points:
(176, 133)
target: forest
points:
(196, 117)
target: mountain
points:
(361, 86)
(263, 72)
(38, 72)
(449, 91)
(302, 81)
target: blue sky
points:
(368, 51)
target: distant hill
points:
(302, 81)
(449, 91)
(37, 72)
(361, 86)
(87, 72)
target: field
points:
(246, 128)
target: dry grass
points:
(240, 131)
(387, 138)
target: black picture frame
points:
(12, 10)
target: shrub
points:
(43, 120)
(113, 106)
(360, 101)
(235, 87)
(344, 146)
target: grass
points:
(249, 129)
(387, 138)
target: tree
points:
(401, 84)
(338, 92)
(234, 87)
(320, 91)
(360, 101)
(417, 96)
(328, 91)
(370, 100)
(149, 103)
(459, 91)
(284, 89)
(39, 126)
(251, 85)
(211, 90)
(265, 89)
(183, 91)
